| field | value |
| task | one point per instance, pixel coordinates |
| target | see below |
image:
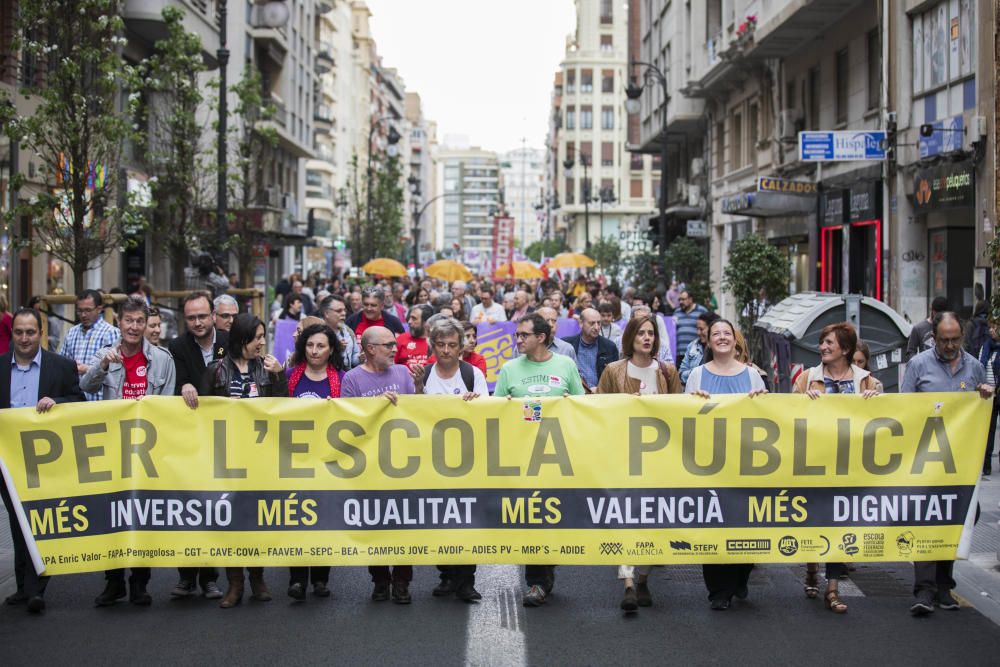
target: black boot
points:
(114, 591)
(137, 593)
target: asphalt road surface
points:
(579, 625)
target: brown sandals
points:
(834, 603)
(811, 585)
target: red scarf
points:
(331, 376)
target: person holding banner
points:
(834, 375)
(315, 371)
(519, 379)
(724, 373)
(31, 377)
(243, 374)
(448, 375)
(639, 373)
(129, 369)
(944, 367)
(379, 376)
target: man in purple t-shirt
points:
(379, 376)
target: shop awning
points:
(768, 204)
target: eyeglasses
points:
(950, 342)
(225, 316)
(388, 346)
(520, 335)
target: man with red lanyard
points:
(372, 314)
(129, 369)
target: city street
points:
(581, 623)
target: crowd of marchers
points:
(351, 342)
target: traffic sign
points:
(842, 146)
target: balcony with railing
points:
(324, 61)
(323, 119)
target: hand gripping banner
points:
(594, 480)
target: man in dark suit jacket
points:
(32, 377)
(201, 344)
(593, 351)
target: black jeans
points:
(382, 573)
(28, 581)
(933, 576)
(199, 575)
(993, 432)
(725, 581)
(317, 574)
(140, 575)
(542, 576)
(835, 570)
(459, 574)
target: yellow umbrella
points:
(522, 270)
(383, 266)
(570, 260)
(449, 269)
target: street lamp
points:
(632, 105)
(606, 195)
(392, 137)
(415, 200)
(585, 193)
(273, 14)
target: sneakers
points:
(211, 591)
(446, 587)
(467, 592)
(321, 590)
(642, 594)
(720, 603)
(112, 593)
(401, 592)
(183, 589)
(297, 592)
(630, 603)
(36, 604)
(381, 591)
(946, 601)
(924, 604)
(535, 597)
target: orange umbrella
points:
(571, 260)
(383, 266)
(449, 269)
(522, 270)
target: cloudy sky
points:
(483, 68)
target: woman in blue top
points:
(724, 373)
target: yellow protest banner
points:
(583, 480)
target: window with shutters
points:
(607, 118)
(607, 81)
(607, 153)
(586, 81)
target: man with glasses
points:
(373, 314)
(333, 310)
(538, 372)
(379, 376)
(202, 343)
(92, 333)
(226, 309)
(944, 367)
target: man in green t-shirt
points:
(538, 372)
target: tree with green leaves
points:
(72, 68)
(179, 164)
(546, 248)
(384, 237)
(687, 260)
(252, 141)
(756, 276)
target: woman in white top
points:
(724, 373)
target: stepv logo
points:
(849, 544)
(788, 546)
(905, 543)
(680, 545)
(611, 548)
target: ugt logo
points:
(849, 544)
(611, 548)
